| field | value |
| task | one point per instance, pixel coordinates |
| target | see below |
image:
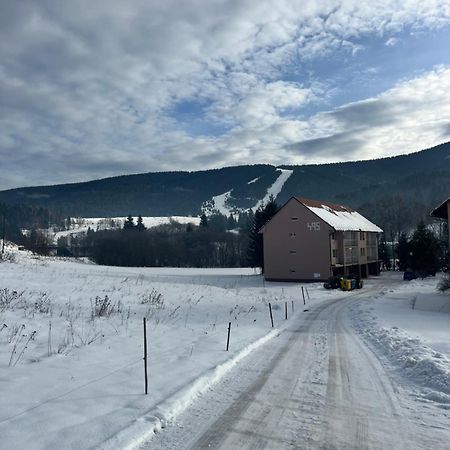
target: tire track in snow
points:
(319, 387)
(256, 418)
(362, 407)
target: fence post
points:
(292, 304)
(271, 316)
(145, 356)
(228, 338)
(303, 295)
(307, 292)
(285, 310)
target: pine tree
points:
(129, 224)
(255, 251)
(231, 222)
(425, 255)
(217, 222)
(270, 209)
(262, 215)
(140, 224)
(203, 221)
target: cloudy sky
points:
(90, 89)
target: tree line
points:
(423, 251)
(218, 241)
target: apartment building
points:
(310, 240)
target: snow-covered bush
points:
(153, 298)
(9, 298)
(43, 303)
(7, 256)
(20, 341)
(104, 307)
(444, 284)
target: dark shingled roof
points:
(441, 211)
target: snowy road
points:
(316, 386)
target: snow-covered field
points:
(71, 369)
(68, 374)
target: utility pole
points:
(393, 251)
(3, 234)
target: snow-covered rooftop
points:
(341, 218)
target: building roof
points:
(341, 218)
(441, 211)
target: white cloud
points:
(88, 89)
(391, 42)
(413, 115)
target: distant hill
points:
(406, 186)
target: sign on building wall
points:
(313, 226)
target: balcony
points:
(351, 255)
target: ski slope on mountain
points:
(223, 203)
(276, 187)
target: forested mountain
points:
(393, 192)
(149, 194)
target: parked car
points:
(333, 283)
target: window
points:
(292, 235)
(334, 253)
(333, 236)
(292, 270)
(362, 236)
(294, 218)
(292, 252)
(363, 251)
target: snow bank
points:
(438, 302)
(419, 363)
(415, 342)
(146, 426)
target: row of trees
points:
(424, 251)
(171, 245)
(18, 217)
(211, 244)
